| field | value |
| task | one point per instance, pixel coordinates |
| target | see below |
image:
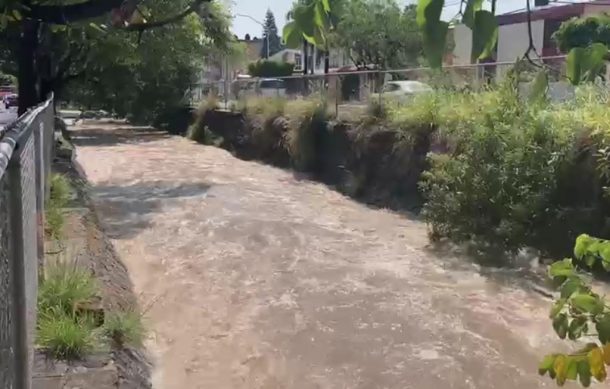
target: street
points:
(7, 116)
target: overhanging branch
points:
(172, 19)
(65, 14)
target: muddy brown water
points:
(257, 278)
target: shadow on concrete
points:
(103, 137)
(127, 210)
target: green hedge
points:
(516, 174)
(265, 68)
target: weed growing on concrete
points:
(59, 197)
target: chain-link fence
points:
(350, 91)
(26, 151)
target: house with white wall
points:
(338, 59)
(292, 56)
(513, 36)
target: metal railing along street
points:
(26, 152)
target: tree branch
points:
(172, 19)
(64, 14)
(530, 46)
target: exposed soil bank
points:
(86, 243)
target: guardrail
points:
(26, 152)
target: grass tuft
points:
(124, 328)
(65, 284)
(308, 118)
(66, 336)
(59, 197)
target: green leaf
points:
(584, 373)
(560, 366)
(575, 68)
(561, 268)
(572, 373)
(557, 307)
(326, 5)
(546, 364)
(540, 87)
(603, 328)
(583, 241)
(484, 34)
(471, 7)
(560, 325)
(577, 328)
(17, 15)
(596, 55)
(596, 363)
(604, 253)
(429, 11)
(587, 303)
(293, 37)
(320, 17)
(435, 36)
(570, 287)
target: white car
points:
(402, 90)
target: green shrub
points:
(308, 121)
(124, 328)
(517, 174)
(65, 284)
(198, 131)
(262, 114)
(66, 335)
(58, 199)
(265, 68)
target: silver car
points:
(402, 90)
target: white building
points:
(292, 56)
(513, 36)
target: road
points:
(258, 278)
(7, 116)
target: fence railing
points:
(26, 151)
(349, 90)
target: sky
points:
(257, 8)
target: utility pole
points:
(263, 25)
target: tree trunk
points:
(306, 57)
(305, 67)
(27, 76)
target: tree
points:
(311, 22)
(379, 33)
(142, 77)
(270, 30)
(583, 32)
(270, 69)
(31, 22)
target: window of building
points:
(298, 62)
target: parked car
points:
(271, 87)
(11, 100)
(402, 90)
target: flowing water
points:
(257, 278)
